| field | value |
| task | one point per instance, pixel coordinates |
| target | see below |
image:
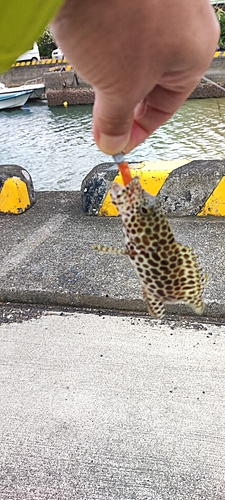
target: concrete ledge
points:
(184, 188)
(110, 303)
(19, 74)
(47, 258)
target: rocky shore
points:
(206, 89)
(70, 96)
(85, 95)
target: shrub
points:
(46, 43)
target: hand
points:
(143, 59)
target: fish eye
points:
(143, 210)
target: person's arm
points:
(143, 58)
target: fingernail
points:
(112, 145)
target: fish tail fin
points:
(198, 308)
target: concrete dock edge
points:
(47, 258)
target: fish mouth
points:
(132, 189)
(116, 189)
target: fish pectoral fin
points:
(112, 250)
(155, 306)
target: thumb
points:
(112, 122)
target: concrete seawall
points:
(195, 188)
(19, 73)
(61, 79)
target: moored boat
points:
(11, 99)
(36, 88)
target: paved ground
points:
(105, 406)
(111, 407)
(47, 257)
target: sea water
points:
(55, 144)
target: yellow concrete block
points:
(215, 204)
(152, 175)
(14, 197)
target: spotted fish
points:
(167, 270)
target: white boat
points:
(11, 99)
(36, 88)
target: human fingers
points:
(125, 49)
(157, 108)
(112, 122)
(122, 127)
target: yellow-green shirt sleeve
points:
(21, 23)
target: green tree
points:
(219, 8)
(222, 30)
(46, 43)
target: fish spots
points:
(159, 284)
(156, 256)
(167, 270)
(145, 240)
(153, 263)
(155, 272)
(156, 228)
(162, 241)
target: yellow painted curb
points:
(16, 190)
(41, 62)
(55, 61)
(152, 175)
(14, 197)
(215, 205)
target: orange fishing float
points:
(123, 168)
(125, 172)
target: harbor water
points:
(56, 144)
